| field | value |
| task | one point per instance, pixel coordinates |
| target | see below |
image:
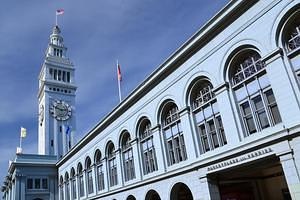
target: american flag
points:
(60, 11)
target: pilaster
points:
(226, 109)
(291, 175)
(159, 146)
(188, 134)
(137, 161)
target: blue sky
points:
(141, 34)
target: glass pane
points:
(263, 119)
(174, 129)
(37, 183)
(29, 183)
(263, 81)
(252, 87)
(215, 107)
(246, 108)
(257, 101)
(199, 116)
(45, 183)
(250, 124)
(168, 133)
(276, 114)
(207, 112)
(270, 96)
(241, 93)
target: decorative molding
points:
(184, 111)
(156, 128)
(239, 159)
(275, 54)
(220, 88)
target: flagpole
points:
(55, 19)
(119, 82)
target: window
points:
(73, 184)
(207, 117)
(293, 42)
(29, 183)
(67, 186)
(44, 183)
(147, 147)
(81, 181)
(89, 175)
(112, 165)
(68, 77)
(291, 39)
(37, 183)
(174, 139)
(61, 188)
(255, 98)
(99, 172)
(127, 153)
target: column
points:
(119, 167)
(159, 149)
(95, 178)
(207, 190)
(85, 183)
(106, 175)
(291, 175)
(283, 89)
(188, 134)
(227, 111)
(137, 160)
(77, 186)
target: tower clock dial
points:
(60, 110)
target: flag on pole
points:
(23, 132)
(119, 72)
(68, 130)
(60, 11)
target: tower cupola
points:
(56, 46)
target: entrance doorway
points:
(258, 180)
(181, 191)
(152, 195)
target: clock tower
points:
(56, 98)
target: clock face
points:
(61, 110)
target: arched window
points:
(89, 175)
(61, 188)
(73, 180)
(67, 181)
(99, 170)
(147, 146)
(207, 116)
(291, 40)
(127, 155)
(174, 139)
(112, 164)
(81, 181)
(256, 102)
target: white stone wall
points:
(256, 28)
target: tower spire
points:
(56, 97)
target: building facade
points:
(31, 177)
(219, 119)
